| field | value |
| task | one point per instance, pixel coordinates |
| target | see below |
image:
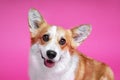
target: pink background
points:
(103, 44)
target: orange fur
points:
(90, 69)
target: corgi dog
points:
(54, 54)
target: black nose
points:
(51, 54)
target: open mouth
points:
(48, 63)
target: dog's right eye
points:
(46, 37)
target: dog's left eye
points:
(62, 41)
(46, 37)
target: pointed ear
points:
(80, 33)
(34, 18)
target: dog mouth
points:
(48, 63)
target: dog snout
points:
(51, 54)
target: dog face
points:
(56, 45)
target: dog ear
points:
(34, 18)
(80, 33)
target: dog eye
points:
(62, 41)
(46, 37)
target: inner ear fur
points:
(80, 33)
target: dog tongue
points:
(49, 63)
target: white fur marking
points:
(64, 70)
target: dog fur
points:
(69, 63)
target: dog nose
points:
(51, 54)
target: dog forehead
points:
(56, 31)
(52, 30)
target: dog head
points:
(56, 44)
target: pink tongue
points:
(49, 63)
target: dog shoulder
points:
(90, 69)
(108, 74)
